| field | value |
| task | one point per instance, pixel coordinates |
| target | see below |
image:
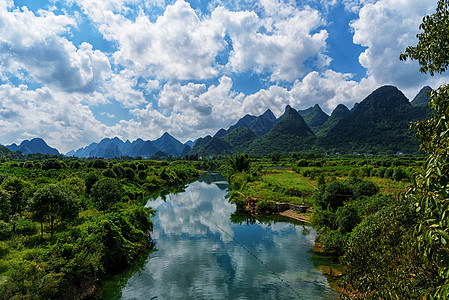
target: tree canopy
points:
(430, 192)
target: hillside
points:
(36, 145)
(422, 98)
(290, 133)
(314, 117)
(340, 112)
(377, 125)
(115, 147)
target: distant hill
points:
(340, 112)
(5, 151)
(314, 117)
(168, 144)
(258, 124)
(115, 147)
(422, 98)
(36, 145)
(290, 133)
(377, 125)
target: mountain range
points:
(378, 124)
(36, 145)
(115, 147)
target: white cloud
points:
(279, 43)
(32, 44)
(186, 111)
(386, 28)
(57, 117)
(329, 89)
(355, 5)
(182, 45)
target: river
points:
(205, 250)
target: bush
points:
(399, 173)
(26, 227)
(5, 230)
(51, 164)
(333, 195)
(109, 173)
(334, 241)
(347, 218)
(106, 192)
(99, 164)
(266, 207)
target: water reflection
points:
(207, 251)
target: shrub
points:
(106, 192)
(333, 195)
(347, 218)
(25, 227)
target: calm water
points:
(207, 251)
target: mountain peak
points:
(35, 145)
(422, 98)
(269, 114)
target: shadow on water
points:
(112, 285)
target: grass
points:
(289, 181)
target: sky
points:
(76, 71)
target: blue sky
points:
(76, 71)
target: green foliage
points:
(359, 187)
(99, 164)
(429, 192)
(266, 207)
(51, 164)
(5, 205)
(380, 263)
(109, 173)
(17, 190)
(66, 263)
(333, 195)
(90, 180)
(5, 230)
(107, 192)
(431, 51)
(53, 204)
(275, 157)
(240, 162)
(347, 218)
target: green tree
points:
(333, 195)
(53, 204)
(106, 192)
(17, 189)
(5, 205)
(91, 179)
(432, 51)
(430, 193)
(240, 162)
(275, 157)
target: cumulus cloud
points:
(33, 43)
(279, 43)
(183, 45)
(329, 89)
(386, 28)
(58, 118)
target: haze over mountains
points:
(378, 124)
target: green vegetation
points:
(66, 223)
(353, 203)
